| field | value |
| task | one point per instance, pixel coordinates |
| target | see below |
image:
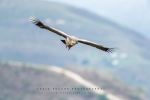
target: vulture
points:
(69, 41)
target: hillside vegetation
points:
(21, 81)
(22, 41)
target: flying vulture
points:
(70, 40)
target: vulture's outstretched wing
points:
(109, 50)
(37, 22)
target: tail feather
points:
(63, 41)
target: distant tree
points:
(85, 62)
(102, 97)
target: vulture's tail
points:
(63, 41)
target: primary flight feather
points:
(70, 40)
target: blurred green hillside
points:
(20, 40)
(25, 81)
(133, 14)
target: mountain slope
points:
(22, 35)
(128, 13)
(20, 40)
(23, 81)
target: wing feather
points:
(38, 23)
(109, 50)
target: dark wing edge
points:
(109, 50)
(38, 23)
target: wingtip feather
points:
(34, 19)
(111, 50)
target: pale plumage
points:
(70, 40)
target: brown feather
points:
(70, 40)
(106, 49)
(41, 25)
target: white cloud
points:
(115, 62)
(47, 21)
(114, 55)
(60, 22)
(123, 55)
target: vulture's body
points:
(70, 40)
